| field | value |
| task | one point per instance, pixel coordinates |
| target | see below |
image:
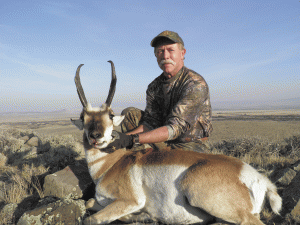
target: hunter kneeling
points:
(178, 109)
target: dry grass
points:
(260, 152)
(22, 177)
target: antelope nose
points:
(95, 135)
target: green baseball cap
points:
(173, 36)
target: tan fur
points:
(218, 185)
(211, 181)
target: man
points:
(178, 110)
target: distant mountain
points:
(293, 103)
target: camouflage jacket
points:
(182, 103)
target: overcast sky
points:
(247, 50)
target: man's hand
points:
(122, 141)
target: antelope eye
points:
(111, 116)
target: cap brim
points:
(156, 39)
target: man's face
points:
(170, 58)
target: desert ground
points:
(273, 125)
(267, 139)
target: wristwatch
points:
(136, 140)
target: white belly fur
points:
(163, 200)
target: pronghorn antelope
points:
(170, 186)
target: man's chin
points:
(167, 71)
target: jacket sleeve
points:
(188, 110)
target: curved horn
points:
(112, 88)
(79, 87)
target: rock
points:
(295, 213)
(24, 138)
(72, 180)
(3, 159)
(296, 166)
(291, 194)
(221, 223)
(25, 148)
(65, 211)
(284, 176)
(7, 213)
(34, 142)
(31, 153)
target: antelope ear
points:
(117, 120)
(78, 123)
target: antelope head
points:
(97, 122)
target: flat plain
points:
(266, 124)
(272, 125)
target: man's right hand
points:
(123, 141)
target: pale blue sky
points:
(247, 50)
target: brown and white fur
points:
(170, 186)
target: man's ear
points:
(78, 123)
(117, 120)
(183, 53)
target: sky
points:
(247, 50)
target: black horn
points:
(113, 83)
(79, 87)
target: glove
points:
(121, 141)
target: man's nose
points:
(166, 55)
